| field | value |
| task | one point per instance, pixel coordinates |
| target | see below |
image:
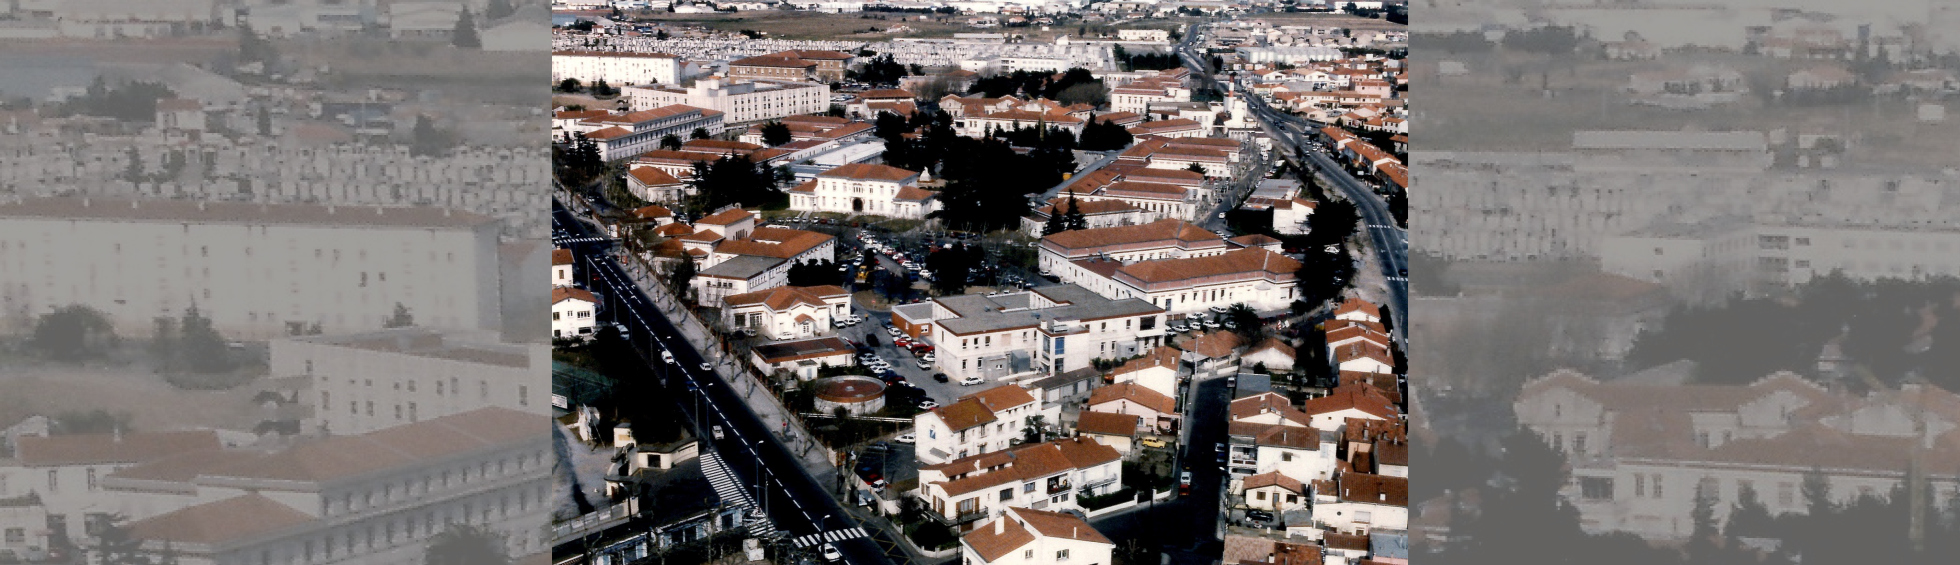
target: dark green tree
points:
(1074, 220)
(1056, 223)
(426, 140)
(1332, 222)
(773, 134)
(814, 273)
(264, 121)
(200, 349)
(465, 36)
(133, 171)
(73, 333)
(681, 277)
(498, 9)
(950, 267)
(699, 133)
(734, 180)
(568, 85)
(670, 142)
(401, 319)
(254, 49)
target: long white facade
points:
(618, 68)
(746, 102)
(257, 271)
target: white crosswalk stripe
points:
(729, 489)
(830, 536)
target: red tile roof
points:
(869, 171)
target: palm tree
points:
(1035, 429)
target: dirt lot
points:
(29, 388)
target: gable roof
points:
(561, 257)
(979, 408)
(1163, 356)
(233, 518)
(868, 171)
(1024, 463)
(1365, 399)
(1373, 489)
(785, 297)
(1274, 479)
(561, 294)
(1092, 422)
(97, 449)
(1136, 393)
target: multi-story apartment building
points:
(617, 68)
(787, 312)
(1736, 254)
(257, 271)
(380, 379)
(743, 103)
(865, 188)
(1043, 476)
(1048, 330)
(1157, 193)
(1139, 94)
(1024, 536)
(982, 422)
(627, 134)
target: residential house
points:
(1119, 431)
(1157, 370)
(1024, 536)
(1332, 411)
(1211, 354)
(1276, 356)
(1157, 410)
(561, 268)
(1273, 491)
(804, 357)
(1363, 503)
(1042, 476)
(572, 312)
(982, 422)
(787, 312)
(1045, 331)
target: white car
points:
(907, 438)
(667, 356)
(970, 381)
(893, 331)
(831, 554)
(928, 405)
(718, 432)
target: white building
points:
(561, 267)
(865, 188)
(744, 103)
(1046, 476)
(981, 422)
(1023, 536)
(1048, 331)
(257, 271)
(1144, 35)
(617, 68)
(1363, 503)
(373, 380)
(736, 257)
(1157, 370)
(573, 312)
(787, 312)
(627, 134)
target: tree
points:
(163, 340)
(814, 273)
(254, 49)
(773, 134)
(1701, 540)
(464, 544)
(465, 37)
(601, 88)
(1246, 322)
(1196, 168)
(951, 267)
(426, 140)
(699, 133)
(1332, 222)
(882, 70)
(1074, 218)
(670, 142)
(114, 545)
(73, 333)
(734, 180)
(401, 319)
(681, 277)
(568, 85)
(1101, 135)
(1056, 223)
(1034, 428)
(200, 349)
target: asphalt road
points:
(1186, 527)
(797, 503)
(1388, 242)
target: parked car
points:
(970, 381)
(1154, 442)
(941, 377)
(928, 404)
(906, 438)
(1259, 516)
(718, 434)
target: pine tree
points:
(465, 36)
(200, 348)
(1056, 224)
(1076, 221)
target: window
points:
(1028, 487)
(1061, 555)
(1029, 554)
(1596, 488)
(1006, 494)
(1640, 485)
(54, 480)
(1261, 495)
(1657, 485)
(91, 478)
(1363, 516)
(1786, 495)
(1285, 456)
(523, 395)
(16, 536)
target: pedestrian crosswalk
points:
(830, 536)
(730, 490)
(572, 240)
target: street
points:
(796, 502)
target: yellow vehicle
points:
(861, 275)
(1153, 442)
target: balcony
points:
(1055, 487)
(961, 518)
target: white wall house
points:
(982, 422)
(864, 188)
(787, 312)
(573, 312)
(561, 267)
(1029, 537)
(1043, 476)
(1363, 503)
